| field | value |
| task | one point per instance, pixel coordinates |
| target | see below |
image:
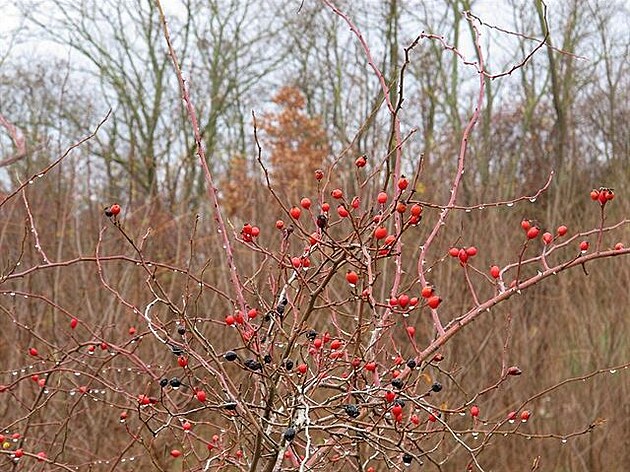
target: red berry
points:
(305, 203)
(609, 194)
(401, 207)
(403, 183)
(471, 251)
(176, 453)
(337, 193)
(186, 426)
(247, 229)
(618, 246)
(525, 414)
(360, 161)
(380, 232)
(370, 366)
(389, 240)
(104, 346)
(352, 277)
(83, 389)
(397, 409)
(381, 198)
(279, 224)
(526, 225)
(255, 231)
(434, 301)
(33, 352)
(413, 301)
(562, 230)
(411, 331)
(319, 174)
(295, 212)
(602, 197)
(313, 239)
(132, 330)
(73, 323)
(390, 396)
(453, 252)
(416, 210)
(182, 361)
(511, 416)
(463, 256)
(115, 209)
(414, 419)
(18, 453)
(532, 232)
(302, 368)
(41, 456)
(230, 320)
(403, 300)
(594, 195)
(335, 344)
(474, 411)
(427, 291)
(393, 301)
(432, 418)
(252, 313)
(342, 211)
(41, 382)
(317, 343)
(495, 271)
(201, 396)
(547, 237)
(584, 246)
(144, 400)
(355, 202)
(325, 207)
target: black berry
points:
(436, 387)
(411, 363)
(230, 356)
(311, 334)
(322, 221)
(407, 458)
(267, 359)
(288, 364)
(289, 434)
(352, 411)
(175, 382)
(163, 383)
(252, 364)
(397, 383)
(181, 330)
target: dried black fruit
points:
(288, 364)
(267, 359)
(411, 363)
(407, 458)
(289, 434)
(252, 364)
(108, 212)
(230, 356)
(322, 221)
(436, 387)
(178, 351)
(399, 401)
(352, 411)
(181, 330)
(163, 383)
(175, 382)
(311, 334)
(397, 383)
(280, 309)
